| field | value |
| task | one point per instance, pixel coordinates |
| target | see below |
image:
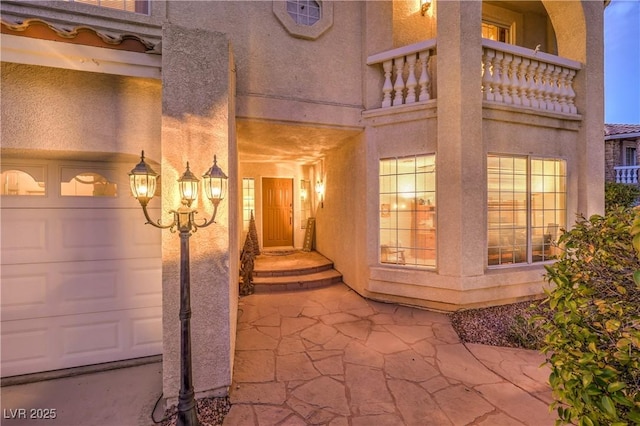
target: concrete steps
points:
(293, 271)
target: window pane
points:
(248, 202)
(507, 227)
(18, 182)
(541, 218)
(407, 211)
(88, 185)
(304, 12)
(138, 6)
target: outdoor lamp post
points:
(142, 180)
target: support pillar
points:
(198, 116)
(461, 153)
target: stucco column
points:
(460, 158)
(198, 123)
(590, 84)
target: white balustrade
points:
(511, 75)
(626, 174)
(514, 75)
(406, 73)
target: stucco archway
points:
(569, 24)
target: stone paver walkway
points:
(328, 356)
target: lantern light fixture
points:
(142, 180)
(320, 192)
(215, 183)
(424, 6)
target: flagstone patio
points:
(329, 356)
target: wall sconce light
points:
(424, 6)
(320, 192)
(142, 180)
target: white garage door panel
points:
(26, 344)
(69, 341)
(69, 288)
(80, 276)
(58, 235)
(23, 235)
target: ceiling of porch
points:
(262, 141)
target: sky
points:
(622, 62)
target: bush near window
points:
(620, 195)
(593, 336)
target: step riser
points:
(266, 287)
(303, 271)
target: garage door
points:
(81, 273)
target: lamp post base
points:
(187, 413)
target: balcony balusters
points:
(511, 75)
(517, 76)
(406, 73)
(627, 174)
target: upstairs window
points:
(497, 32)
(304, 12)
(135, 6)
(630, 156)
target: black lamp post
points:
(142, 180)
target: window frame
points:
(628, 160)
(549, 230)
(421, 251)
(248, 196)
(307, 32)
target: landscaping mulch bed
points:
(504, 325)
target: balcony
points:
(627, 174)
(511, 75)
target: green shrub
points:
(620, 195)
(593, 338)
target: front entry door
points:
(277, 198)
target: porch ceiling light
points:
(424, 6)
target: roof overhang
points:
(634, 135)
(32, 51)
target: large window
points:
(408, 211)
(526, 208)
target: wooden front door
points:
(277, 220)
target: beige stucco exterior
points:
(275, 102)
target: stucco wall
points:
(198, 122)
(272, 63)
(71, 111)
(341, 223)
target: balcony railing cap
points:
(531, 54)
(401, 51)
